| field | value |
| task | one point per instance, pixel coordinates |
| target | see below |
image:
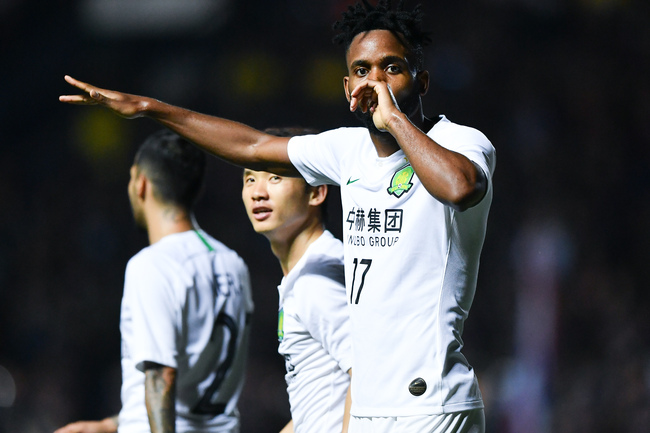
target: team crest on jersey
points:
(401, 181)
(281, 324)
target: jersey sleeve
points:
(323, 308)
(317, 157)
(148, 287)
(467, 141)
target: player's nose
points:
(259, 191)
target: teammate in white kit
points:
(416, 196)
(313, 319)
(185, 309)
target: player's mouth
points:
(261, 213)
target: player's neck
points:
(290, 249)
(165, 221)
(385, 144)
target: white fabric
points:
(314, 337)
(185, 298)
(471, 421)
(416, 261)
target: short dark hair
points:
(405, 25)
(174, 166)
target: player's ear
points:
(318, 195)
(141, 186)
(346, 81)
(422, 78)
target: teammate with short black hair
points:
(185, 310)
(416, 195)
(313, 318)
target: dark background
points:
(559, 330)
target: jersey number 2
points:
(363, 262)
(205, 405)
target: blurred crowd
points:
(559, 332)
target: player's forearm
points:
(110, 424)
(231, 141)
(448, 176)
(107, 425)
(160, 397)
(226, 139)
(348, 405)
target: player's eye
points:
(361, 72)
(276, 179)
(393, 69)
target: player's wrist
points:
(109, 425)
(149, 107)
(395, 121)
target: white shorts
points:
(471, 421)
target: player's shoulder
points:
(323, 262)
(327, 245)
(445, 128)
(352, 131)
(466, 140)
(161, 256)
(340, 135)
(147, 264)
(148, 254)
(331, 243)
(180, 247)
(222, 249)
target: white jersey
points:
(314, 335)
(411, 265)
(186, 303)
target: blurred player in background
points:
(415, 195)
(185, 310)
(313, 317)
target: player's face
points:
(379, 55)
(277, 206)
(136, 207)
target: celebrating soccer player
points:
(415, 195)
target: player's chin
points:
(366, 120)
(262, 227)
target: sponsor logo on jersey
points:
(350, 180)
(401, 181)
(281, 324)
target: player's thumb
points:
(96, 95)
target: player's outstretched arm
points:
(232, 141)
(122, 104)
(107, 425)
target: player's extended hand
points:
(123, 104)
(376, 97)
(107, 425)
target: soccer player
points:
(313, 319)
(415, 195)
(185, 309)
